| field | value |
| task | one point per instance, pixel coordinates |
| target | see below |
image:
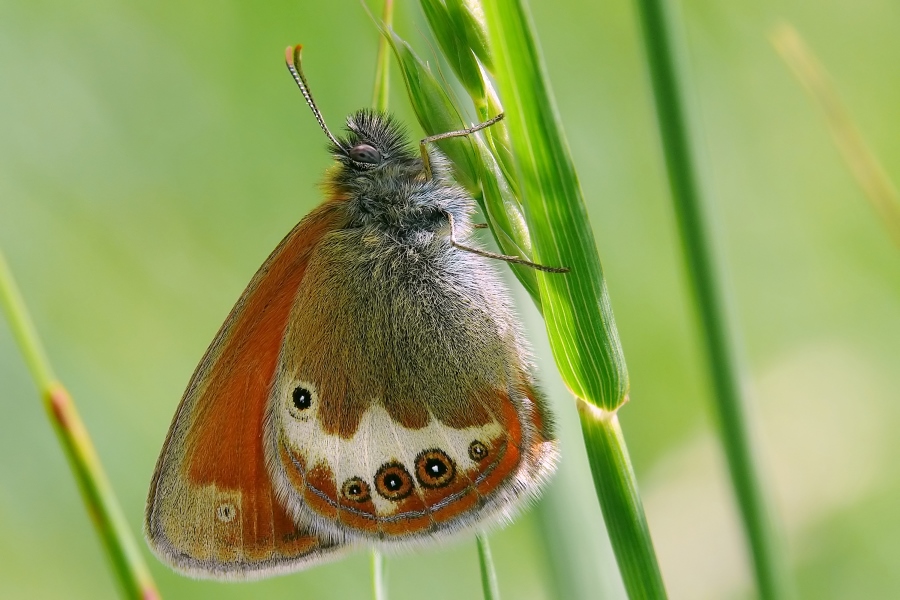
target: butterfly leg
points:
(504, 257)
(426, 162)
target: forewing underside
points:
(212, 510)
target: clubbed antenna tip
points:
(292, 59)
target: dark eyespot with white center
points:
(477, 451)
(302, 398)
(393, 482)
(355, 489)
(434, 469)
(300, 401)
(365, 154)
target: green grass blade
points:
(488, 573)
(468, 19)
(380, 93)
(615, 483)
(577, 311)
(23, 329)
(455, 47)
(576, 305)
(379, 582)
(102, 505)
(770, 567)
(506, 219)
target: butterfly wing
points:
(403, 405)
(212, 510)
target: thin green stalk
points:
(103, 507)
(770, 567)
(488, 574)
(380, 93)
(864, 165)
(619, 499)
(379, 585)
(580, 323)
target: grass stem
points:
(102, 505)
(770, 568)
(864, 165)
(620, 501)
(380, 93)
(488, 574)
(379, 583)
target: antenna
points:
(292, 58)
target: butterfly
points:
(370, 387)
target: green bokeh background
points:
(153, 153)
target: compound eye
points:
(366, 154)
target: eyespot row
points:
(433, 469)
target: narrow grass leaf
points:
(488, 574)
(455, 47)
(102, 505)
(770, 567)
(864, 165)
(506, 219)
(381, 88)
(468, 18)
(379, 581)
(435, 110)
(576, 305)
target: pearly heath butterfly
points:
(370, 387)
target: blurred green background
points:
(153, 153)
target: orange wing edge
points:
(211, 509)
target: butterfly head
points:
(375, 141)
(382, 176)
(379, 170)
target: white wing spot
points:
(226, 512)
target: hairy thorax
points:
(397, 201)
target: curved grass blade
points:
(102, 505)
(488, 573)
(380, 93)
(771, 571)
(864, 165)
(577, 311)
(455, 46)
